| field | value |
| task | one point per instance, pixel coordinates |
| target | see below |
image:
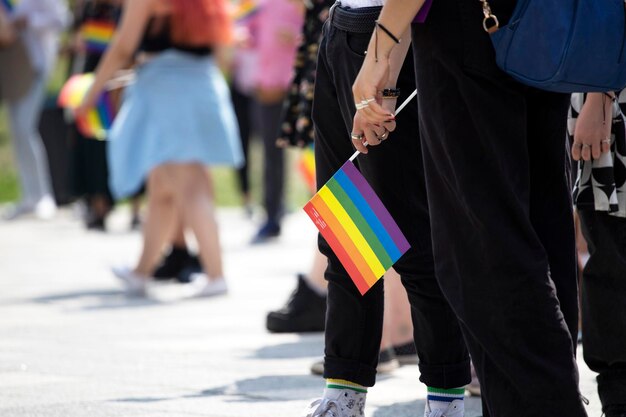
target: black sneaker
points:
(96, 223)
(172, 264)
(305, 311)
(406, 353)
(268, 231)
(192, 267)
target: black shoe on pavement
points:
(96, 223)
(268, 231)
(305, 311)
(192, 267)
(173, 264)
(406, 353)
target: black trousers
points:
(270, 116)
(394, 170)
(242, 104)
(604, 305)
(503, 237)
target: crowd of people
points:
(477, 172)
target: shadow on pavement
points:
(269, 388)
(98, 300)
(307, 346)
(264, 388)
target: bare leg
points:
(100, 205)
(193, 188)
(159, 222)
(178, 240)
(315, 278)
(399, 310)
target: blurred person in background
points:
(7, 32)
(241, 73)
(176, 120)
(38, 25)
(276, 34)
(91, 172)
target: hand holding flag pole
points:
(356, 224)
(398, 110)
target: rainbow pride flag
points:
(97, 35)
(306, 166)
(244, 9)
(98, 120)
(357, 226)
(9, 4)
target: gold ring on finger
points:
(586, 146)
(356, 136)
(384, 135)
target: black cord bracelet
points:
(388, 32)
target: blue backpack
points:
(563, 45)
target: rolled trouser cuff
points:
(452, 375)
(349, 370)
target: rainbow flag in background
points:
(97, 35)
(99, 119)
(243, 9)
(306, 165)
(357, 226)
(9, 4)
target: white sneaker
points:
(455, 409)
(46, 208)
(134, 284)
(202, 286)
(17, 210)
(338, 403)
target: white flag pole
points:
(403, 105)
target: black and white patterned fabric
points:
(601, 183)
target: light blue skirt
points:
(178, 111)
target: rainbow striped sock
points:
(440, 398)
(343, 384)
